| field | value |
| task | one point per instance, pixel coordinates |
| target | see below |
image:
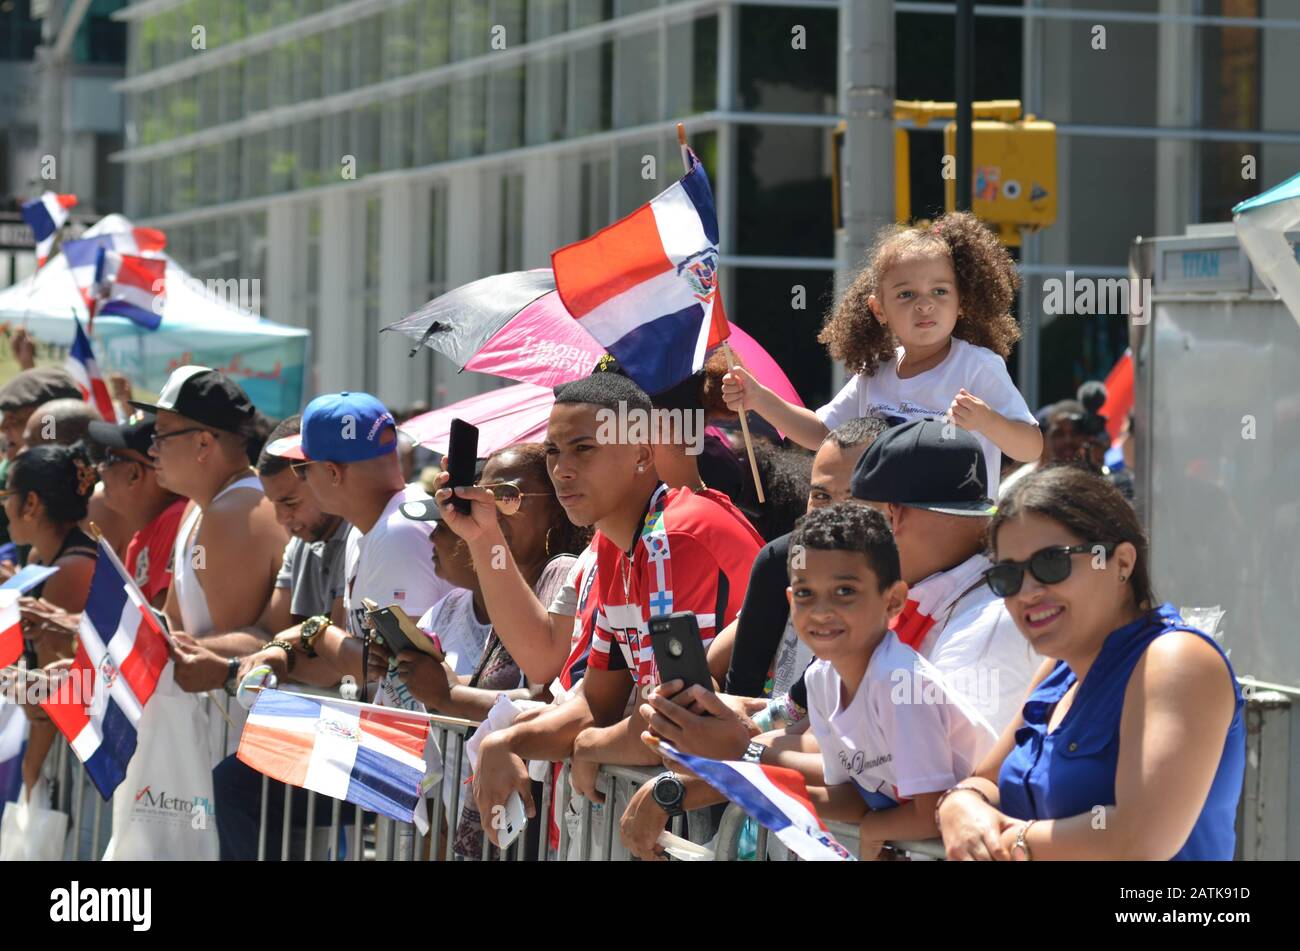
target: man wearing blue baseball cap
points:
(347, 452)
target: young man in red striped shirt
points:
(659, 550)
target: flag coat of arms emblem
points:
(646, 287)
(122, 643)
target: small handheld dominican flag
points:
(11, 628)
(46, 215)
(83, 368)
(775, 796)
(130, 286)
(357, 752)
(121, 652)
(83, 256)
(646, 287)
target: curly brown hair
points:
(986, 286)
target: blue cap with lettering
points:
(340, 427)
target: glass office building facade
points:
(360, 156)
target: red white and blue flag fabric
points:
(46, 215)
(11, 629)
(83, 256)
(83, 368)
(131, 286)
(646, 287)
(121, 653)
(368, 755)
(774, 796)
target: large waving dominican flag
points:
(83, 256)
(121, 653)
(357, 752)
(775, 796)
(46, 215)
(83, 368)
(131, 286)
(646, 287)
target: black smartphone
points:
(679, 652)
(462, 455)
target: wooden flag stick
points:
(726, 348)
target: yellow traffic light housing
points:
(1014, 164)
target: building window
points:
(594, 190)
(433, 27)
(591, 101)
(636, 78)
(545, 89)
(783, 197)
(507, 100)
(691, 72)
(468, 116)
(774, 75)
(1230, 99)
(763, 304)
(370, 256)
(510, 245)
(431, 120)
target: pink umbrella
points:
(514, 326)
(504, 417)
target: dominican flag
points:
(363, 754)
(646, 287)
(121, 653)
(775, 796)
(130, 286)
(46, 215)
(11, 628)
(83, 256)
(81, 366)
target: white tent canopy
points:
(199, 325)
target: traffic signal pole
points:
(964, 66)
(866, 101)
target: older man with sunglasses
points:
(150, 513)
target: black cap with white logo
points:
(926, 464)
(206, 396)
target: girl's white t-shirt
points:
(928, 395)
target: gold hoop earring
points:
(548, 542)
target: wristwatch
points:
(668, 793)
(311, 629)
(232, 671)
(754, 752)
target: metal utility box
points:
(1217, 425)
(1218, 434)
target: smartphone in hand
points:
(678, 650)
(462, 457)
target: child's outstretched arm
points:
(740, 389)
(1020, 440)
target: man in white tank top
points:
(229, 546)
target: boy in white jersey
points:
(889, 732)
(884, 733)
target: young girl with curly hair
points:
(925, 328)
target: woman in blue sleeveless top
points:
(1131, 744)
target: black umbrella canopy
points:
(457, 324)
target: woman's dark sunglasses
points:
(1049, 566)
